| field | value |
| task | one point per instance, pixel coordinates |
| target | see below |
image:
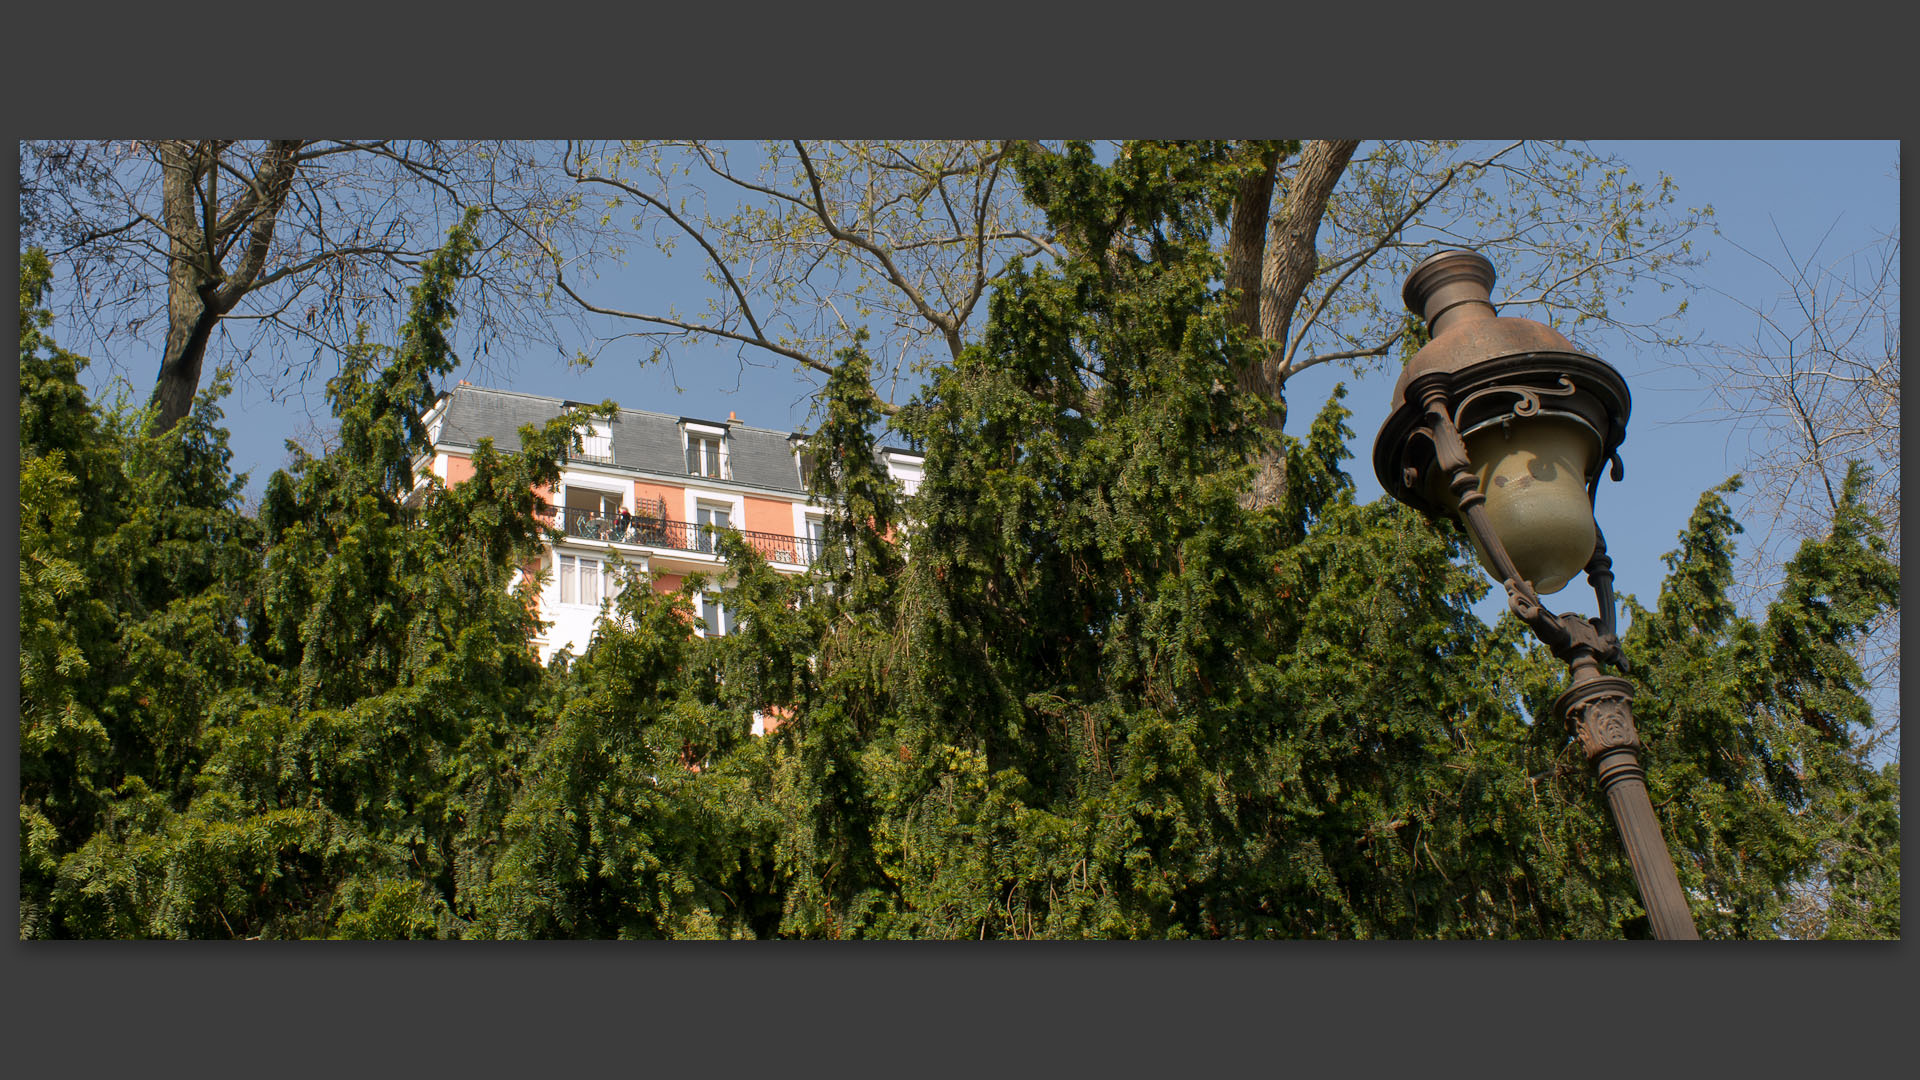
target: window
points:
(816, 538)
(709, 514)
(706, 450)
(720, 619)
(596, 443)
(906, 468)
(703, 456)
(586, 581)
(808, 460)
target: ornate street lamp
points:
(1502, 424)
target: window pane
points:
(589, 581)
(567, 593)
(703, 455)
(715, 516)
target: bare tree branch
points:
(1816, 387)
(342, 221)
(900, 239)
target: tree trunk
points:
(1289, 265)
(199, 290)
(188, 323)
(1251, 207)
(189, 327)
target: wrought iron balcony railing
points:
(658, 532)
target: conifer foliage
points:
(1076, 686)
(301, 725)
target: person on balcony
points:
(623, 532)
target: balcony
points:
(656, 532)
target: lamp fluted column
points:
(1600, 709)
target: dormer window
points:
(596, 436)
(806, 459)
(706, 450)
(906, 468)
(596, 443)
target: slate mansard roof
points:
(642, 441)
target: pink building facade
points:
(646, 494)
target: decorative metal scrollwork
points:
(1529, 397)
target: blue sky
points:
(1835, 196)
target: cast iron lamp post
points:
(1503, 424)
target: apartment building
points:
(647, 492)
